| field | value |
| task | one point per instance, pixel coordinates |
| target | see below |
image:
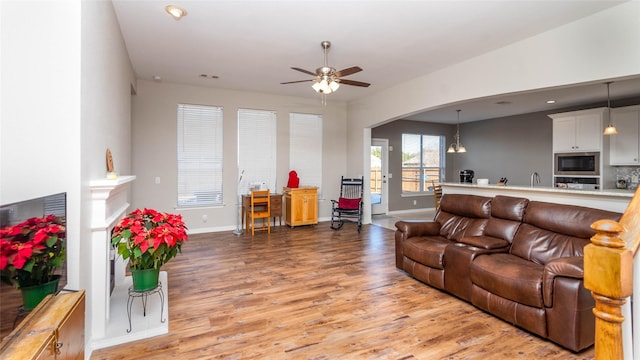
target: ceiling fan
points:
(327, 79)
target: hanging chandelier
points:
(610, 130)
(457, 147)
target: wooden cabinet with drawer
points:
(301, 206)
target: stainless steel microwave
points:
(579, 163)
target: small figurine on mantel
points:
(111, 175)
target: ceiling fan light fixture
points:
(176, 12)
(327, 79)
(326, 85)
(334, 85)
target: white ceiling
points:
(251, 45)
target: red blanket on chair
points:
(348, 204)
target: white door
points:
(379, 185)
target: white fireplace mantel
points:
(110, 202)
(109, 315)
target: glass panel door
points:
(378, 176)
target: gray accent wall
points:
(509, 147)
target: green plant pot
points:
(33, 295)
(145, 280)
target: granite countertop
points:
(549, 189)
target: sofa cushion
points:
(541, 246)
(510, 277)
(566, 219)
(506, 216)
(552, 231)
(463, 215)
(508, 207)
(484, 242)
(426, 250)
(503, 229)
(472, 206)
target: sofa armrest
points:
(485, 242)
(417, 228)
(407, 229)
(572, 267)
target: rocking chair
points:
(348, 207)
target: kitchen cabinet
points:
(301, 206)
(53, 330)
(578, 131)
(625, 146)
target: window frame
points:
(421, 169)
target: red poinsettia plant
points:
(31, 251)
(149, 238)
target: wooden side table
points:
(276, 208)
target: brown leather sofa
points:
(519, 260)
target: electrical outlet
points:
(415, 202)
(205, 218)
(634, 179)
(157, 179)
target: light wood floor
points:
(315, 293)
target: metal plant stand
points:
(144, 295)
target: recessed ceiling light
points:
(157, 78)
(176, 12)
(551, 101)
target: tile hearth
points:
(142, 327)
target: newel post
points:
(608, 274)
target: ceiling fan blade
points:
(304, 71)
(293, 82)
(348, 71)
(354, 83)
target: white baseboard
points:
(408, 211)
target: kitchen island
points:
(608, 199)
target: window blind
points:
(305, 136)
(199, 155)
(256, 149)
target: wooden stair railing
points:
(608, 274)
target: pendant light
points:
(610, 130)
(457, 147)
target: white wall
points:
(154, 147)
(601, 46)
(65, 81)
(107, 80)
(40, 113)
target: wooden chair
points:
(437, 194)
(348, 207)
(260, 208)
